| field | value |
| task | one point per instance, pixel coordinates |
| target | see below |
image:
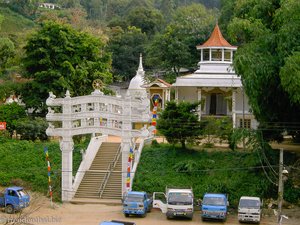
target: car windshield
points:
(214, 201)
(180, 198)
(134, 198)
(249, 203)
(21, 193)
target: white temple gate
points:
(95, 114)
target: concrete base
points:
(96, 201)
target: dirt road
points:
(93, 214)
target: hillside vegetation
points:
(24, 163)
(235, 173)
(14, 22)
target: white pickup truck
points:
(249, 209)
(175, 202)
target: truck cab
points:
(214, 206)
(175, 202)
(14, 199)
(136, 203)
(249, 209)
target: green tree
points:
(149, 20)
(179, 123)
(1, 20)
(268, 62)
(76, 17)
(32, 129)
(59, 58)
(10, 113)
(7, 51)
(168, 51)
(176, 46)
(25, 7)
(126, 46)
(216, 130)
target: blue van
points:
(214, 206)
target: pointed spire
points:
(216, 39)
(138, 80)
(141, 63)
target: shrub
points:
(32, 129)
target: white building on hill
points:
(216, 85)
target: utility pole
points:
(280, 185)
(243, 117)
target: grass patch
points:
(14, 22)
(234, 173)
(24, 163)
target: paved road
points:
(92, 214)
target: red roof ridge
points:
(164, 82)
(216, 39)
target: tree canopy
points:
(59, 58)
(126, 46)
(176, 46)
(268, 61)
(179, 123)
(10, 113)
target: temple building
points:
(216, 85)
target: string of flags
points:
(154, 115)
(129, 165)
(49, 173)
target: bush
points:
(32, 129)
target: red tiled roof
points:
(216, 39)
(164, 82)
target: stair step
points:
(93, 178)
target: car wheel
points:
(9, 209)
(126, 215)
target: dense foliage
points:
(126, 46)
(32, 129)
(234, 173)
(175, 47)
(268, 61)
(11, 113)
(179, 123)
(59, 58)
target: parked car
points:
(136, 203)
(214, 206)
(175, 202)
(14, 199)
(249, 209)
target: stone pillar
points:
(176, 94)
(125, 154)
(234, 108)
(66, 147)
(199, 94)
(223, 54)
(163, 99)
(126, 139)
(201, 56)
